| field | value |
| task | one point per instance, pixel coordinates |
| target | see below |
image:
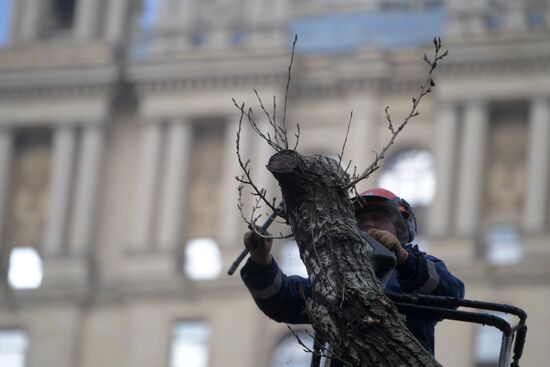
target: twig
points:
(297, 135)
(341, 155)
(388, 118)
(327, 353)
(250, 117)
(279, 134)
(288, 83)
(306, 348)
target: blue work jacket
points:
(281, 297)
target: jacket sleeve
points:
(426, 274)
(280, 297)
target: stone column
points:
(148, 165)
(116, 17)
(444, 151)
(175, 171)
(86, 19)
(472, 150)
(30, 19)
(6, 154)
(87, 182)
(60, 188)
(166, 12)
(538, 160)
(15, 17)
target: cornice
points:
(42, 91)
(209, 82)
(475, 67)
(54, 55)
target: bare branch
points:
(388, 118)
(278, 135)
(297, 135)
(275, 112)
(246, 178)
(288, 83)
(250, 117)
(276, 138)
(341, 155)
(306, 348)
(324, 351)
(425, 88)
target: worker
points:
(390, 221)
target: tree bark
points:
(347, 307)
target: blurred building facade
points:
(117, 164)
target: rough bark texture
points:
(347, 307)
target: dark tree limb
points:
(347, 305)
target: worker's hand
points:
(260, 248)
(390, 241)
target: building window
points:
(64, 13)
(289, 353)
(535, 20)
(290, 260)
(410, 174)
(190, 341)
(13, 348)
(503, 245)
(202, 259)
(61, 18)
(25, 268)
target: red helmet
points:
(369, 199)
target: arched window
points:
(289, 353)
(410, 174)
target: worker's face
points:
(378, 218)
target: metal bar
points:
(518, 347)
(474, 317)
(505, 350)
(444, 307)
(440, 301)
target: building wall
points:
(122, 104)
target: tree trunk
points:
(347, 307)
